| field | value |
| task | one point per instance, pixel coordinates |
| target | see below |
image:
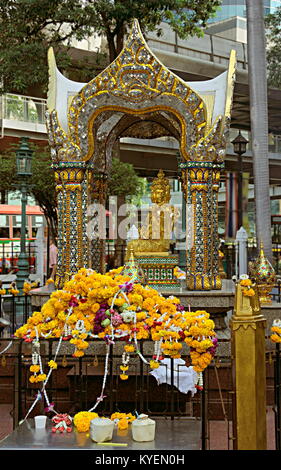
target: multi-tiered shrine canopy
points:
(137, 96)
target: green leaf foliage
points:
(273, 36)
(29, 27)
(123, 180)
(41, 184)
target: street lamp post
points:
(240, 147)
(23, 161)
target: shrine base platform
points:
(177, 434)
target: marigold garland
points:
(247, 289)
(111, 306)
(83, 419)
(276, 331)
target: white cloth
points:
(185, 378)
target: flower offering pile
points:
(82, 420)
(113, 307)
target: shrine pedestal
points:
(159, 270)
(40, 296)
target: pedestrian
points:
(53, 258)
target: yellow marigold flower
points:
(95, 307)
(41, 378)
(124, 376)
(124, 368)
(14, 291)
(26, 287)
(129, 348)
(246, 282)
(123, 424)
(248, 292)
(34, 368)
(83, 419)
(78, 353)
(154, 364)
(52, 364)
(275, 338)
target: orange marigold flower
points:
(129, 348)
(123, 424)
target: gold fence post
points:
(249, 372)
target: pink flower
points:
(116, 319)
(127, 286)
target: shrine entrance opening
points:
(137, 96)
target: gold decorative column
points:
(196, 185)
(216, 274)
(72, 203)
(249, 373)
(97, 190)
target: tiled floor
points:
(219, 433)
(6, 420)
(217, 429)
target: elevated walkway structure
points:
(192, 59)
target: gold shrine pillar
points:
(249, 373)
(216, 281)
(202, 239)
(71, 188)
(97, 190)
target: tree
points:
(273, 35)
(29, 27)
(124, 183)
(123, 180)
(259, 121)
(42, 184)
(113, 17)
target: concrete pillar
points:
(241, 239)
(40, 253)
(249, 372)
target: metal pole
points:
(203, 415)
(23, 266)
(277, 398)
(240, 194)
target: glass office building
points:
(230, 8)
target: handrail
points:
(23, 108)
(33, 98)
(212, 53)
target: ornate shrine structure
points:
(137, 96)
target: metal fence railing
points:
(14, 312)
(23, 108)
(9, 254)
(77, 383)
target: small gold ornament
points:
(264, 275)
(3, 361)
(64, 361)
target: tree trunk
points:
(259, 121)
